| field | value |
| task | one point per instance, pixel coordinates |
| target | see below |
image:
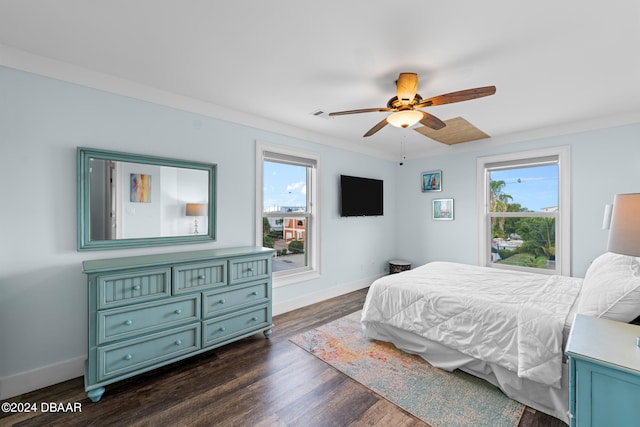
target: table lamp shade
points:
(624, 235)
(196, 209)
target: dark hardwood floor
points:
(253, 382)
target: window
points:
(525, 210)
(287, 206)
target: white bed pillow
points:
(611, 288)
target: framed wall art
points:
(443, 209)
(140, 188)
(432, 181)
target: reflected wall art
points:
(140, 188)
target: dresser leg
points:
(267, 333)
(95, 394)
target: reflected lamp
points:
(196, 210)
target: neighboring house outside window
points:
(294, 229)
(524, 211)
(287, 206)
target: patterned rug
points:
(439, 398)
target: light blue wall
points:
(603, 163)
(43, 298)
(43, 294)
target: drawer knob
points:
(178, 342)
(250, 269)
(128, 322)
(202, 277)
(222, 329)
(222, 301)
(178, 311)
(254, 293)
(136, 287)
(128, 357)
(253, 319)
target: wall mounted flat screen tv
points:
(360, 196)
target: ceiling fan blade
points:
(364, 110)
(376, 128)
(432, 121)
(406, 87)
(459, 96)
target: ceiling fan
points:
(407, 103)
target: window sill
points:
(546, 271)
(292, 278)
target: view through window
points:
(523, 209)
(286, 212)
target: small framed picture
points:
(140, 188)
(443, 209)
(432, 181)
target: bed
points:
(509, 328)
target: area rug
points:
(439, 398)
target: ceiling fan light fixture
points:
(404, 118)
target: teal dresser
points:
(152, 310)
(604, 373)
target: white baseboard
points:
(294, 304)
(45, 376)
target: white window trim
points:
(312, 271)
(563, 243)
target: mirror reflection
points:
(128, 200)
(135, 200)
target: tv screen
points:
(360, 196)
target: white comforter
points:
(509, 318)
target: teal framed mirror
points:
(131, 200)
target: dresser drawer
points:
(194, 277)
(120, 323)
(226, 327)
(128, 288)
(216, 302)
(247, 269)
(121, 358)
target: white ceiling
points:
(558, 65)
